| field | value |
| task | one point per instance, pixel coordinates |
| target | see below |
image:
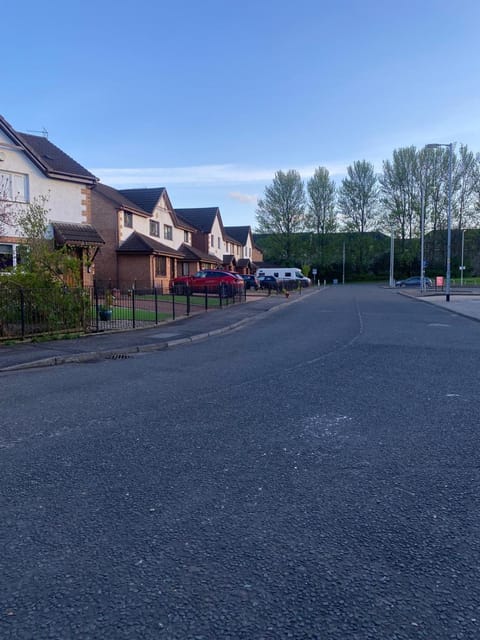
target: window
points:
(186, 237)
(127, 219)
(212, 240)
(6, 255)
(13, 186)
(160, 266)
(185, 271)
(154, 228)
(218, 241)
(167, 232)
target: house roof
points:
(229, 258)
(245, 262)
(192, 254)
(138, 243)
(147, 199)
(240, 234)
(201, 218)
(118, 199)
(79, 234)
(47, 156)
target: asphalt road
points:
(311, 476)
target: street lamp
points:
(392, 256)
(422, 238)
(462, 268)
(436, 145)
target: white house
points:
(31, 167)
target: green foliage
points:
(45, 309)
(42, 262)
(321, 217)
(281, 213)
(44, 290)
(358, 196)
(367, 255)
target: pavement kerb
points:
(98, 355)
(440, 305)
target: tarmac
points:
(118, 344)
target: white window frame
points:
(14, 186)
(167, 232)
(154, 228)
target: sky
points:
(211, 98)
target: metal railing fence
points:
(26, 313)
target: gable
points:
(47, 157)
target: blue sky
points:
(210, 98)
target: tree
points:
(358, 197)
(42, 263)
(321, 191)
(400, 192)
(466, 184)
(281, 213)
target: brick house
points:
(218, 248)
(32, 167)
(243, 238)
(145, 243)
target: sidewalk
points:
(118, 344)
(461, 304)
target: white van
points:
(285, 273)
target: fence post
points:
(133, 307)
(22, 312)
(95, 295)
(156, 304)
(188, 300)
(206, 299)
(173, 302)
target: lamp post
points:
(392, 256)
(462, 268)
(436, 145)
(422, 239)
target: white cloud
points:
(243, 197)
(198, 175)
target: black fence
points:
(34, 312)
(133, 308)
(26, 313)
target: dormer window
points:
(167, 232)
(186, 237)
(127, 219)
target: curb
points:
(95, 356)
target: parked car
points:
(210, 280)
(414, 281)
(269, 282)
(251, 282)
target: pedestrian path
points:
(464, 305)
(115, 344)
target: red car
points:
(210, 280)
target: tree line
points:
(412, 186)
